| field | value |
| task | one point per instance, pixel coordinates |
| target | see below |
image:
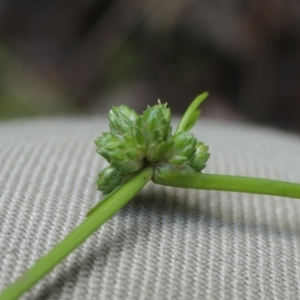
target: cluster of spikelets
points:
(136, 140)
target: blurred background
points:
(81, 57)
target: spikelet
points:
(180, 148)
(154, 125)
(199, 158)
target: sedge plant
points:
(140, 148)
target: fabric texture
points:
(167, 243)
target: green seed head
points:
(109, 179)
(121, 152)
(154, 125)
(199, 158)
(122, 119)
(134, 141)
(179, 148)
(155, 152)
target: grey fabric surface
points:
(167, 243)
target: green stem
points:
(113, 203)
(100, 203)
(226, 183)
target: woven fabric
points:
(167, 243)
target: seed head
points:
(154, 125)
(179, 148)
(122, 152)
(199, 158)
(122, 120)
(110, 178)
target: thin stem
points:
(229, 183)
(113, 203)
